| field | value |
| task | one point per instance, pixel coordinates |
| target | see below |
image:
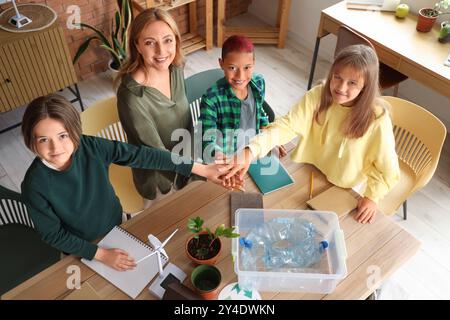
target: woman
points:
(151, 98)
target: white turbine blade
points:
(142, 259)
(167, 240)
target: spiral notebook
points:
(132, 282)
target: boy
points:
(233, 102)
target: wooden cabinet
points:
(190, 41)
(33, 64)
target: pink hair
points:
(237, 44)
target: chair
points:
(419, 137)
(23, 253)
(388, 77)
(102, 120)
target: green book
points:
(269, 174)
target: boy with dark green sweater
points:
(67, 189)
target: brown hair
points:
(55, 107)
(363, 59)
(140, 22)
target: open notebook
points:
(269, 174)
(132, 282)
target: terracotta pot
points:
(425, 23)
(206, 281)
(210, 260)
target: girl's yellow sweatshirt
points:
(345, 162)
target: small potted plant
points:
(206, 281)
(204, 246)
(117, 47)
(427, 16)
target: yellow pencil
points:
(311, 185)
(239, 188)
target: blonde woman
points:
(151, 97)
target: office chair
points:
(419, 137)
(23, 253)
(388, 77)
(102, 120)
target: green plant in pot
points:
(427, 16)
(117, 44)
(205, 246)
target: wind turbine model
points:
(18, 20)
(158, 248)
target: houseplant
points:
(427, 16)
(204, 246)
(206, 281)
(117, 46)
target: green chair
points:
(23, 253)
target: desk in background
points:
(382, 244)
(415, 54)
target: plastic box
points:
(320, 278)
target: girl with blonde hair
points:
(345, 131)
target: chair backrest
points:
(196, 86)
(12, 209)
(419, 137)
(102, 120)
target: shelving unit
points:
(190, 41)
(267, 35)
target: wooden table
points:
(416, 54)
(191, 41)
(379, 248)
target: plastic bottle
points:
(281, 243)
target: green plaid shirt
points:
(221, 110)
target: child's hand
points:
(115, 258)
(282, 151)
(213, 172)
(367, 210)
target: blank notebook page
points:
(132, 282)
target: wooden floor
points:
(286, 73)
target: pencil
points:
(239, 188)
(311, 185)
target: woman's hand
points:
(214, 172)
(115, 258)
(367, 210)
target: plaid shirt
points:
(221, 110)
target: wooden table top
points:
(374, 250)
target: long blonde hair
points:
(140, 22)
(364, 60)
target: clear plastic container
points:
(321, 277)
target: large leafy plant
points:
(195, 225)
(117, 45)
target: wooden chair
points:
(388, 77)
(102, 120)
(419, 137)
(23, 253)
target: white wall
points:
(303, 24)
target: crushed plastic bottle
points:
(281, 243)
